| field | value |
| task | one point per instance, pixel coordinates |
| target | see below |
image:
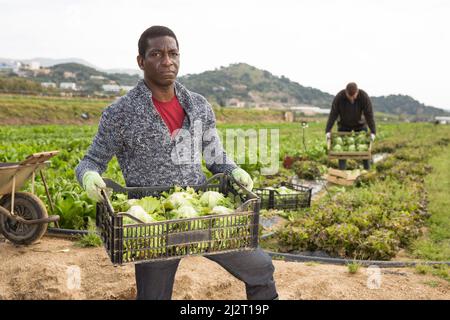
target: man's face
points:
(161, 61)
(353, 97)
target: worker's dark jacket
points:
(132, 130)
(351, 115)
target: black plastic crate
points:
(272, 199)
(173, 239)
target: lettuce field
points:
(386, 211)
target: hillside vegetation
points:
(255, 87)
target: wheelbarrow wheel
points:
(29, 207)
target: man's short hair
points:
(154, 32)
(351, 88)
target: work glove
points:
(372, 137)
(243, 178)
(328, 135)
(93, 183)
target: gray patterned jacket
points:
(132, 130)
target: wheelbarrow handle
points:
(19, 219)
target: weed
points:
(91, 239)
(432, 283)
(353, 267)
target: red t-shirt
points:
(172, 113)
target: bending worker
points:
(142, 129)
(350, 105)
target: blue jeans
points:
(155, 280)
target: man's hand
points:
(243, 178)
(372, 137)
(93, 183)
(328, 135)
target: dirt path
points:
(41, 271)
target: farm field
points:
(392, 194)
(330, 168)
(22, 109)
(397, 211)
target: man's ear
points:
(140, 62)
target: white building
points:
(443, 120)
(34, 65)
(48, 84)
(111, 88)
(234, 102)
(68, 74)
(68, 85)
(17, 66)
(97, 77)
(310, 110)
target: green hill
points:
(405, 105)
(244, 85)
(82, 75)
(254, 87)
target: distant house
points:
(68, 74)
(111, 88)
(68, 85)
(220, 88)
(48, 84)
(34, 65)
(17, 65)
(233, 102)
(443, 120)
(97, 77)
(5, 67)
(43, 71)
(310, 110)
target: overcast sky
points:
(387, 47)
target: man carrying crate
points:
(350, 105)
(141, 130)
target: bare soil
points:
(45, 270)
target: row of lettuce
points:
(69, 199)
(373, 221)
(384, 213)
(72, 203)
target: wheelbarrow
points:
(23, 216)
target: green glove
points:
(93, 183)
(243, 178)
